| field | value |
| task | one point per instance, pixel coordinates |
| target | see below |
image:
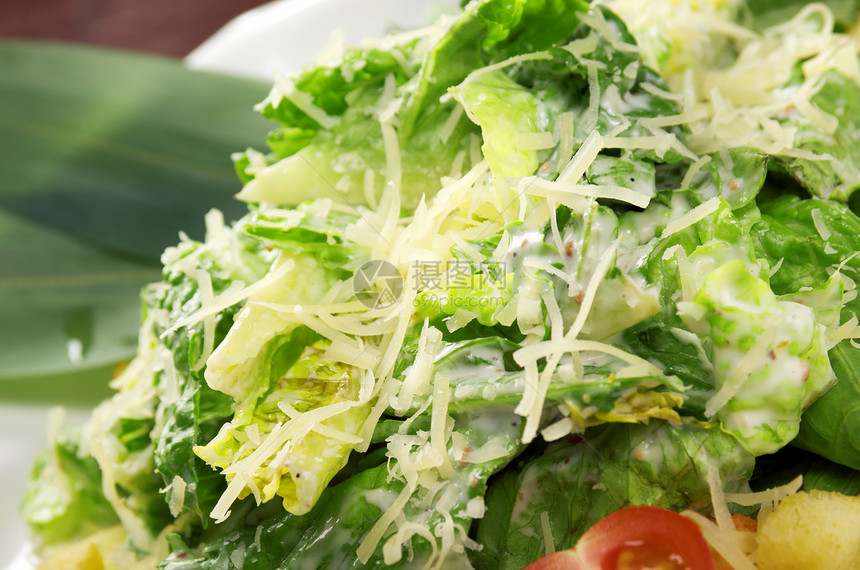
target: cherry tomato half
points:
(635, 538)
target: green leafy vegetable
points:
(838, 177)
(830, 426)
(655, 464)
(63, 499)
(769, 357)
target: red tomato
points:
(640, 538)
(635, 538)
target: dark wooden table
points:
(169, 27)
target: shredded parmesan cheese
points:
(234, 294)
(546, 529)
(724, 542)
(770, 496)
(368, 545)
(718, 500)
(438, 423)
(740, 372)
(583, 158)
(571, 194)
(692, 217)
(820, 225)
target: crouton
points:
(811, 531)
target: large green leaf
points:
(64, 304)
(104, 157)
(122, 149)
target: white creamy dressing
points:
(529, 493)
(478, 362)
(381, 498)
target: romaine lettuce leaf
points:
(191, 412)
(788, 238)
(63, 499)
(831, 425)
(329, 535)
(265, 540)
(488, 31)
(313, 229)
(769, 356)
(838, 175)
(505, 110)
(580, 481)
(306, 457)
(738, 183)
(332, 161)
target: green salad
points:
(499, 278)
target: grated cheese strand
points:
(565, 139)
(176, 500)
(234, 294)
(848, 329)
(562, 192)
(418, 377)
(820, 225)
(606, 260)
(741, 372)
(724, 542)
(718, 500)
(204, 288)
(371, 540)
(773, 495)
(692, 217)
(438, 423)
(392, 550)
(585, 155)
(546, 529)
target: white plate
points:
(287, 35)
